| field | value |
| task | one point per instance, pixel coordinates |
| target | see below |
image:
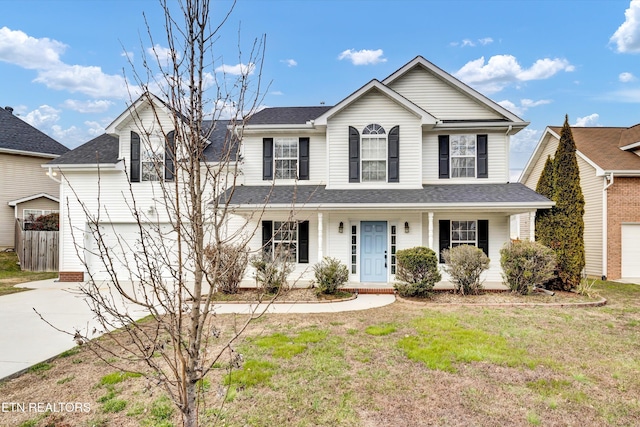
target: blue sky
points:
(63, 63)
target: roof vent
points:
(9, 109)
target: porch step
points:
(377, 291)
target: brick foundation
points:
(71, 276)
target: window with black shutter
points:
(169, 156)
(288, 240)
(354, 155)
(394, 154)
(135, 157)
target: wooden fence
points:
(37, 250)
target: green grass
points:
(114, 405)
(382, 329)
(11, 275)
(118, 377)
(441, 342)
(40, 368)
(285, 347)
(252, 373)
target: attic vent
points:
(9, 109)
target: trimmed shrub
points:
(465, 264)
(526, 264)
(271, 274)
(330, 273)
(417, 272)
(230, 261)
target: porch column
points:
(532, 226)
(320, 233)
(431, 230)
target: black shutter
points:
(303, 158)
(443, 156)
(354, 155)
(169, 156)
(482, 157)
(135, 157)
(267, 235)
(444, 236)
(394, 154)
(483, 236)
(267, 158)
(303, 242)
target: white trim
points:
(516, 206)
(631, 146)
(426, 118)
(29, 153)
(13, 203)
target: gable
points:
(374, 106)
(440, 98)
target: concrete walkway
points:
(25, 339)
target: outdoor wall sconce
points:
(406, 227)
(151, 210)
(341, 227)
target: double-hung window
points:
(152, 159)
(286, 158)
(374, 154)
(463, 233)
(463, 156)
(29, 216)
(285, 240)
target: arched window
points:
(374, 154)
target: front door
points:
(373, 252)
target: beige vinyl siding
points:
(592, 187)
(377, 108)
(498, 235)
(439, 98)
(498, 167)
(549, 150)
(252, 166)
(20, 177)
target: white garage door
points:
(631, 250)
(126, 246)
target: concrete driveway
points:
(25, 339)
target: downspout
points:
(508, 145)
(608, 183)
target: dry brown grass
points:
(542, 366)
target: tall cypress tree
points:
(544, 217)
(568, 222)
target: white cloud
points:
(470, 43)
(237, 70)
(627, 36)
(522, 145)
(42, 117)
(363, 57)
(87, 80)
(631, 96)
(162, 54)
(25, 51)
(626, 77)
(43, 55)
(276, 92)
(290, 62)
(502, 70)
(97, 106)
(129, 55)
(587, 121)
(524, 105)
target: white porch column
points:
(532, 226)
(431, 230)
(320, 233)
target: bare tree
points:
(172, 268)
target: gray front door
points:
(373, 252)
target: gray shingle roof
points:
(428, 195)
(102, 149)
(16, 134)
(287, 115)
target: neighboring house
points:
(26, 192)
(609, 162)
(417, 159)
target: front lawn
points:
(401, 365)
(11, 275)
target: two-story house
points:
(25, 190)
(417, 159)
